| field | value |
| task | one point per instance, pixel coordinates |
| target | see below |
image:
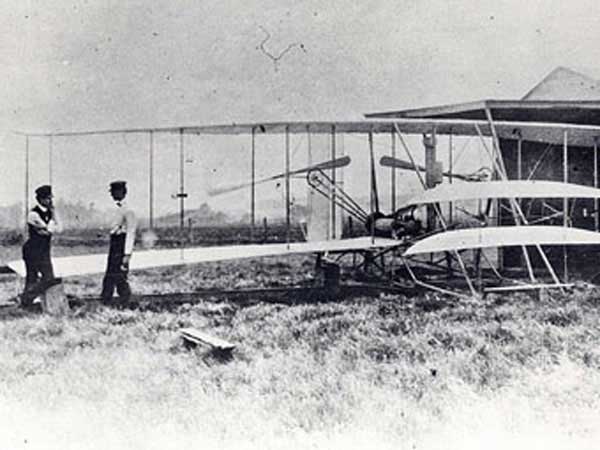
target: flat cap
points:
(118, 184)
(44, 191)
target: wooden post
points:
(265, 230)
(54, 301)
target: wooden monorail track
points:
(245, 297)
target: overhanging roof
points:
(579, 112)
(563, 96)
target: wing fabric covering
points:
(68, 266)
(504, 189)
(474, 238)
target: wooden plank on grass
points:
(200, 337)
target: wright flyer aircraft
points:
(527, 217)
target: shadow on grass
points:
(209, 356)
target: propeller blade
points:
(331, 164)
(326, 165)
(388, 161)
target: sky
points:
(93, 64)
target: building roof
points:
(563, 96)
(565, 84)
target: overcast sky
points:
(103, 63)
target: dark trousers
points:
(39, 271)
(115, 276)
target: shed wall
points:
(540, 161)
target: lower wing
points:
(67, 266)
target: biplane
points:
(416, 244)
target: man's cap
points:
(44, 191)
(118, 184)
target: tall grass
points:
(389, 372)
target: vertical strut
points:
(393, 173)
(151, 181)
(596, 221)
(287, 184)
(565, 159)
(50, 151)
(26, 180)
(310, 194)
(181, 182)
(372, 207)
(333, 192)
(450, 169)
(253, 184)
(520, 157)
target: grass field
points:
(387, 372)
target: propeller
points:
(389, 161)
(326, 165)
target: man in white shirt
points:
(122, 238)
(42, 222)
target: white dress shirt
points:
(124, 222)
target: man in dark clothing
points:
(122, 237)
(41, 223)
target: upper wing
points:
(68, 266)
(473, 238)
(553, 133)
